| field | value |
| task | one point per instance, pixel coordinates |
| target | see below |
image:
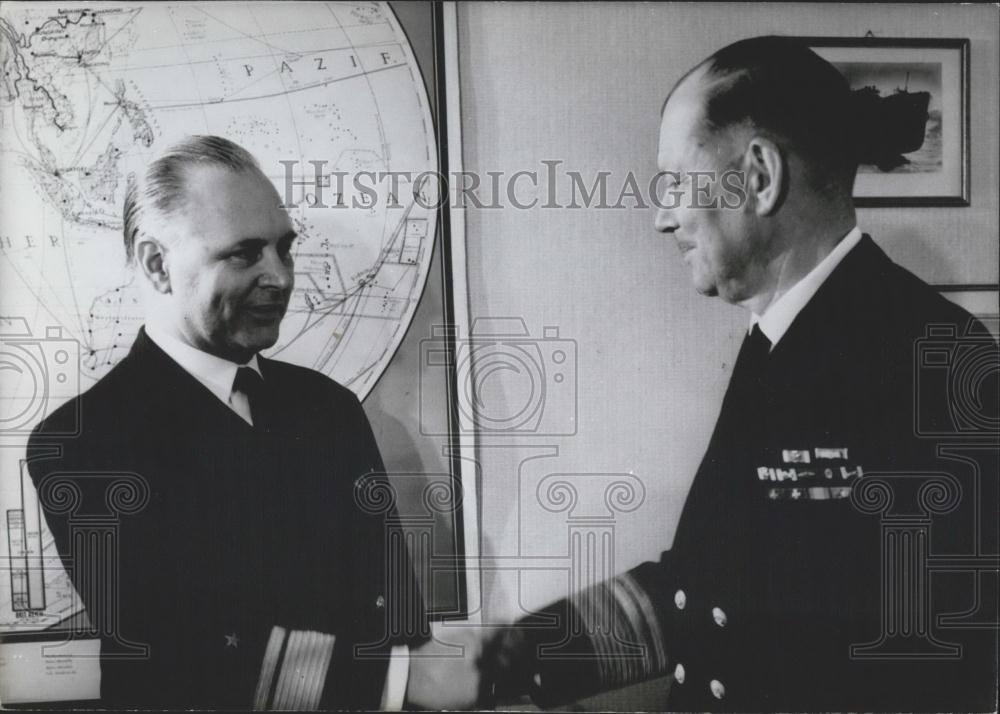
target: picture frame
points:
(909, 79)
(982, 300)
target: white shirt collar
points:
(215, 373)
(780, 315)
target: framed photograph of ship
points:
(913, 102)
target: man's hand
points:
(508, 664)
(445, 672)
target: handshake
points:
(466, 666)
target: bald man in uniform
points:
(771, 597)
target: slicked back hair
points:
(159, 190)
(780, 87)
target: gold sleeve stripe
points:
(623, 640)
(307, 677)
(272, 655)
(656, 660)
(618, 620)
(322, 667)
(294, 669)
(289, 668)
(304, 676)
(314, 675)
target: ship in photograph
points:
(898, 123)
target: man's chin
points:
(253, 341)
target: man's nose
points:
(665, 221)
(277, 272)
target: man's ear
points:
(150, 257)
(766, 175)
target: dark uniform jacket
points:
(773, 577)
(219, 532)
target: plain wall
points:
(583, 84)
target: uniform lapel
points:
(172, 396)
(832, 313)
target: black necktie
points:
(745, 386)
(758, 347)
(250, 383)
(743, 413)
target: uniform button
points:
(718, 689)
(719, 616)
(680, 599)
(380, 602)
(679, 673)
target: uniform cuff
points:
(396, 679)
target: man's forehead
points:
(221, 188)
(692, 85)
(220, 202)
(684, 129)
(683, 115)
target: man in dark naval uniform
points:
(247, 562)
(842, 470)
